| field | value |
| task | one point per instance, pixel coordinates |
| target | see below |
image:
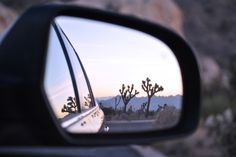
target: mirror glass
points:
(58, 81)
(110, 78)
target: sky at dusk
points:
(114, 55)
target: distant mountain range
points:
(136, 102)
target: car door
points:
(81, 113)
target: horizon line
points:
(141, 96)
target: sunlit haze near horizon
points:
(114, 55)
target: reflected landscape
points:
(122, 80)
(127, 111)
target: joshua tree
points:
(141, 110)
(71, 106)
(151, 91)
(143, 106)
(127, 94)
(87, 101)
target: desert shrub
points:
(169, 115)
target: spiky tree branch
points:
(127, 93)
(71, 106)
(87, 101)
(151, 90)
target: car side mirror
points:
(88, 77)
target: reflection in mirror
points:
(135, 78)
(60, 88)
(57, 82)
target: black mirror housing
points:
(22, 62)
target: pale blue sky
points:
(113, 55)
(57, 81)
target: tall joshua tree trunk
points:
(127, 94)
(148, 106)
(151, 91)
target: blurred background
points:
(210, 27)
